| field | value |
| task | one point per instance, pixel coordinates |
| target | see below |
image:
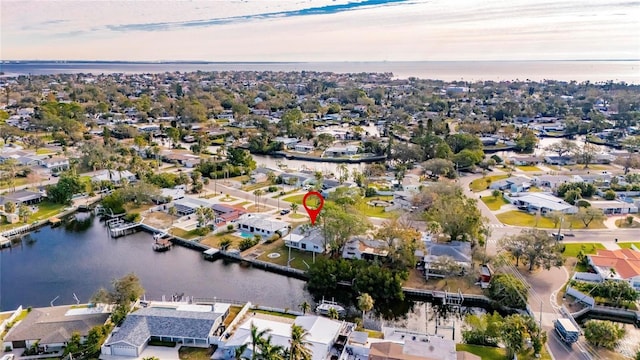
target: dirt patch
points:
(159, 219)
(466, 284)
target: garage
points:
(124, 350)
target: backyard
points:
(299, 258)
(529, 168)
(217, 239)
(572, 250)
(484, 182)
(494, 202)
(192, 353)
(367, 210)
(521, 218)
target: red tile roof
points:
(626, 262)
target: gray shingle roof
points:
(140, 325)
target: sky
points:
(319, 30)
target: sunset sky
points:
(319, 30)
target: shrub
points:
(609, 195)
(272, 189)
(247, 244)
(497, 159)
(370, 192)
(272, 238)
(629, 220)
(201, 231)
(230, 227)
(133, 217)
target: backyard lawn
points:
(369, 211)
(299, 257)
(572, 250)
(483, 183)
(521, 218)
(485, 352)
(294, 199)
(494, 203)
(46, 210)
(215, 240)
(187, 235)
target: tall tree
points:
(564, 146)
(589, 215)
(257, 337)
(601, 333)
(365, 303)
(509, 291)
(585, 154)
(457, 214)
(535, 246)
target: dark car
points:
(285, 212)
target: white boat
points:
(326, 305)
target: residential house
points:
(559, 160)
(542, 203)
(311, 240)
(614, 207)
(525, 160)
(618, 265)
(551, 181)
(287, 142)
(113, 176)
(456, 251)
(51, 327)
(227, 213)
(402, 344)
(186, 324)
(338, 151)
(411, 183)
(262, 224)
(403, 199)
(304, 146)
(188, 205)
(514, 184)
(323, 334)
(56, 163)
(489, 141)
(364, 248)
(599, 180)
(21, 197)
(297, 179)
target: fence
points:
(232, 325)
(7, 321)
(580, 296)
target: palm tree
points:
(299, 345)
(294, 207)
(256, 339)
(305, 306)
(333, 313)
(258, 193)
(239, 351)
(344, 172)
(365, 303)
(269, 351)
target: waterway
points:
(80, 257)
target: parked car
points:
(557, 236)
(285, 212)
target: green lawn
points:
(295, 199)
(494, 203)
(483, 183)
(529, 168)
(627, 245)
(43, 151)
(297, 216)
(46, 210)
(535, 189)
(256, 186)
(274, 313)
(192, 353)
(215, 240)
(485, 352)
(554, 167)
(572, 250)
(299, 257)
(187, 235)
(369, 211)
(18, 181)
(521, 218)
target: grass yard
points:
(294, 199)
(215, 240)
(18, 181)
(377, 211)
(572, 250)
(187, 235)
(274, 313)
(369, 211)
(228, 199)
(192, 353)
(494, 203)
(485, 352)
(133, 208)
(43, 151)
(627, 245)
(233, 312)
(299, 257)
(535, 189)
(374, 334)
(529, 168)
(256, 186)
(297, 216)
(554, 167)
(521, 218)
(483, 183)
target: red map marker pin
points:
(313, 213)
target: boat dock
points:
(119, 227)
(4, 242)
(211, 254)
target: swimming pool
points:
(243, 234)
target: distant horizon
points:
(311, 31)
(302, 61)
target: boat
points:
(160, 243)
(325, 306)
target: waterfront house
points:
(525, 160)
(297, 179)
(226, 213)
(459, 252)
(324, 335)
(617, 265)
(262, 224)
(21, 197)
(338, 151)
(365, 248)
(311, 240)
(513, 184)
(189, 204)
(287, 142)
(51, 327)
(542, 203)
(185, 324)
(305, 146)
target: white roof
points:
(264, 222)
(294, 238)
(609, 204)
(542, 200)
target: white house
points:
(543, 203)
(304, 147)
(620, 265)
(614, 207)
(322, 335)
(337, 151)
(311, 240)
(114, 176)
(189, 325)
(55, 163)
(513, 184)
(262, 224)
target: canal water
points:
(79, 257)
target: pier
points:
(119, 227)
